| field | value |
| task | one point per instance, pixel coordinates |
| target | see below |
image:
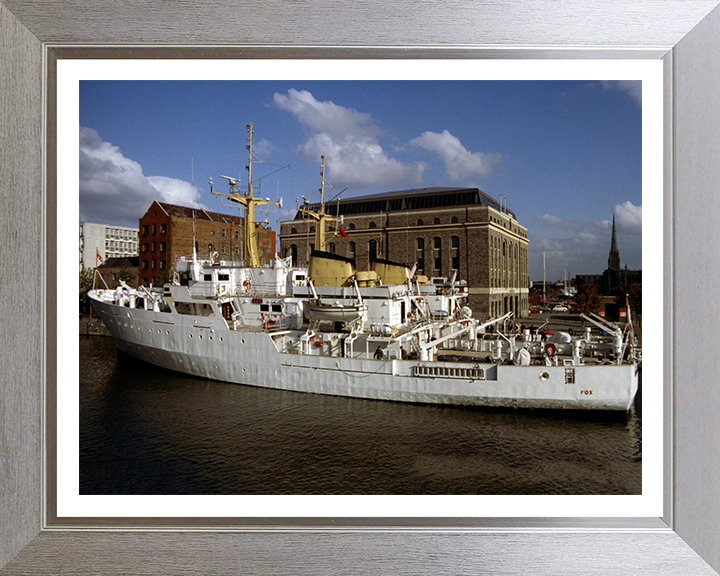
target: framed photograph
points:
(671, 527)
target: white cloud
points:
(325, 117)
(558, 222)
(632, 88)
(584, 247)
(113, 188)
(359, 161)
(263, 148)
(460, 163)
(349, 141)
(628, 218)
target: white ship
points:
(384, 334)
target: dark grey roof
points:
(122, 262)
(408, 193)
(415, 198)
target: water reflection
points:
(145, 430)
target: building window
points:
(436, 221)
(352, 249)
(420, 254)
(145, 264)
(154, 247)
(223, 232)
(420, 222)
(312, 229)
(351, 227)
(163, 228)
(163, 263)
(154, 228)
(145, 228)
(372, 250)
(237, 234)
(455, 253)
(454, 220)
(332, 247)
(292, 231)
(153, 264)
(163, 246)
(372, 225)
(437, 255)
(293, 253)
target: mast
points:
(543, 276)
(321, 217)
(252, 260)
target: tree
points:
(126, 275)
(634, 297)
(86, 284)
(587, 299)
(164, 276)
(86, 281)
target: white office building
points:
(106, 242)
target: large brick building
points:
(443, 230)
(166, 234)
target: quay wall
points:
(92, 326)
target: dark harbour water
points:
(144, 430)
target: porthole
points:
(221, 339)
(190, 335)
(200, 336)
(242, 341)
(544, 376)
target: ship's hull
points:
(206, 347)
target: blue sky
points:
(565, 156)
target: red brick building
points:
(166, 234)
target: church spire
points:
(614, 258)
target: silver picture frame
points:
(684, 34)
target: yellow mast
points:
(252, 260)
(321, 217)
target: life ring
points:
(550, 349)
